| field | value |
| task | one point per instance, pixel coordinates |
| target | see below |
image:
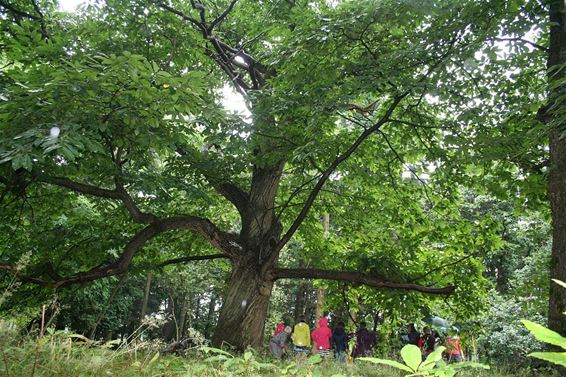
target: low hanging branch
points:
(224, 241)
(355, 278)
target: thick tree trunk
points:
(557, 194)
(242, 317)
(557, 173)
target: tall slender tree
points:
(553, 115)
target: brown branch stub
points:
(355, 277)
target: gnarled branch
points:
(225, 241)
(354, 277)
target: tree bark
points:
(557, 173)
(242, 317)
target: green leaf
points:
(112, 343)
(79, 336)
(154, 358)
(391, 363)
(412, 356)
(247, 355)
(215, 350)
(545, 335)
(433, 358)
(558, 358)
(315, 359)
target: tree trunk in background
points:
(145, 297)
(319, 313)
(181, 317)
(169, 332)
(197, 312)
(320, 291)
(300, 296)
(557, 173)
(210, 315)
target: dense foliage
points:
(412, 125)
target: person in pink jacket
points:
(321, 337)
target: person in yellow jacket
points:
(301, 337)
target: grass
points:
(62, 354)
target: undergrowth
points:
(62, 354)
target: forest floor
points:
(61, 354)
(56, 356)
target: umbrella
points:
(437, 321)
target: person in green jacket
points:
(301, 337)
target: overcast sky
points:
(69, 5)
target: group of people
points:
(430, 339)
(322, 340)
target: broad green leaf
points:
(391, 363)
(558, 358)
(412, 356)
(433, 358)
(543, 334)
(247, 355)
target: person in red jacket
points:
(453, 348)
(321, 336)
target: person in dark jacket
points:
(340, 342)
(365, 340)
(413, 335)
(426, 342)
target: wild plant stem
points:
(35, 358)
(6, 362)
